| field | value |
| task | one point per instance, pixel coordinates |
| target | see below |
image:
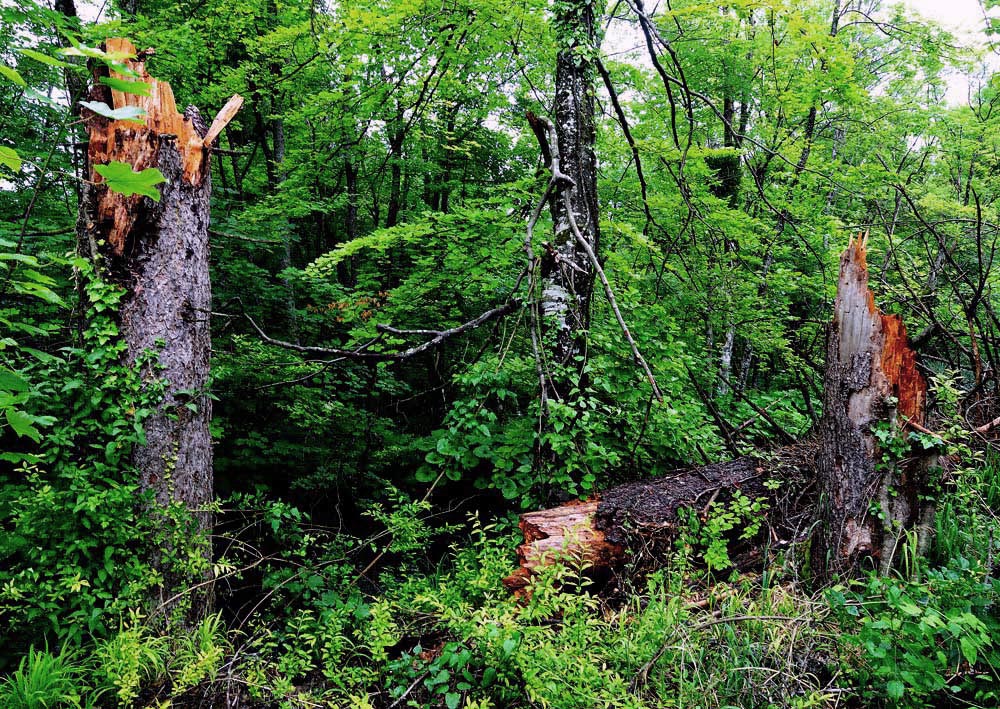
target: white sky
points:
(966, 19)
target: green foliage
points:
(120, 176)
(709, 532)
(922, 640)
(79, 540)
(43, 680)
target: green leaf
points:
(12, 75)
(970, 651)
(120, 177)
(12, 381)
(895, 689)
(130, 87)
(44, 58)
(22, 424)
(452, 700)
(125, 113)
(10, 159)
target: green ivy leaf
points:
(125, 113)
(120, 177)
(138, 88)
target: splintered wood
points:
(565, 532)
(866, 332)
(871, 377)
(138, 144)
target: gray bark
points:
(159, 253)
(871, 377)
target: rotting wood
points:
(158, 252)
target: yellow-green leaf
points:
(120, 177)
(10, 159)
(12, 75)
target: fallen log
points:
(643, 518)
(871, 378)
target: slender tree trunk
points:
(158, 251)
(567, 274)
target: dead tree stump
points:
(158, 252)
(871, 377)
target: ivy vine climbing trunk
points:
(158, 251)
(567, 272)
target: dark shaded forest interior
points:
(495, 354)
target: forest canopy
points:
(320, 322)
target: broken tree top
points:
(866, 331)
(138, 144)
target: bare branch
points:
(362, 351)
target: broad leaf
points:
(44, 58)
(12, 75)
(125, 113)
(12, 381)
(120, 177)
(130, 87)
(10, 159)
(23, 424)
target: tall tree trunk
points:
(158, 251)
(567, 274)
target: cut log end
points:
(565, 532)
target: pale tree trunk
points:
(159, 252)
(567, 272)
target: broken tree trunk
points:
(158, 252)
(866, 500)
(871, 379)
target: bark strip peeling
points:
(871, 376)
(159, 253)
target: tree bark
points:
(159, 252)
(871, 377)
(567, 274)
